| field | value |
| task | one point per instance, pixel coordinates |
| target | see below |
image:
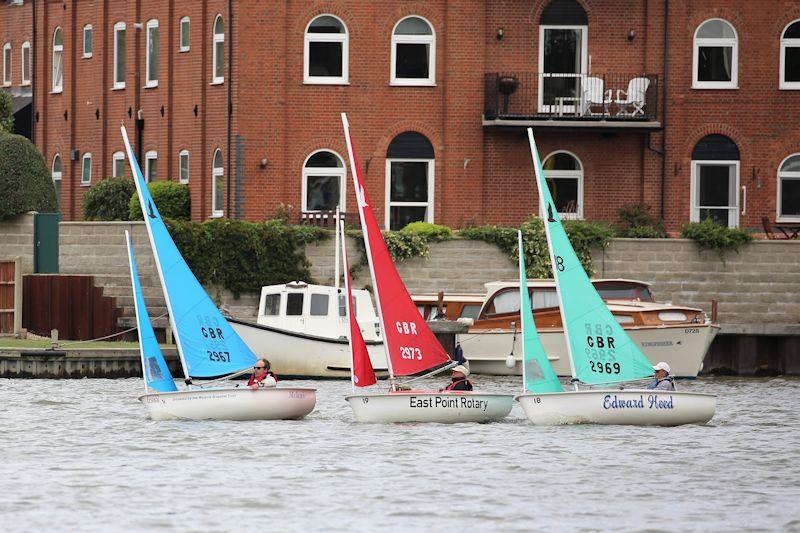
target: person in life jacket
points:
(458, 380)
(661, 379)
(262, 375)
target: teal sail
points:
(154, 369)
(207, 344)
(599, 349)
(537, 372)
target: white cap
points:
(461, 368)
(662, 366)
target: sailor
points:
(661, 379)
(262, 375)
(459, 380)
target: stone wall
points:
(16, 240)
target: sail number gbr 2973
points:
(600, 349)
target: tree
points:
(6, 112)
(108, 199)
(25, 182)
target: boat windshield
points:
(624, 290)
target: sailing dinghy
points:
(208, 347)
(600, 352)
(411, 347)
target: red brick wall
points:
(16, 27)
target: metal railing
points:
(529, 95)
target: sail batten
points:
(207, 345)
(599, 349)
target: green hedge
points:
(172, 201)
(638, 223)
(429, 232)
(109, 199)
(711, 235)
(244, 256)
(6, 112)
(25, 182)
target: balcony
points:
(604, 102)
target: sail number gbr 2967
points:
(222, 357)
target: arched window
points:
(151, 166)
(185, 36)
(7, 64)
(563, 172)
(409, 180)
(118, 165)
(789, 189)
(58, 61)
(119, 55)
(715, 181)
(323, 181)
(413, 52)
(217, 185)
(86, 169)
(218, 52)
(88, 38)
(326, 53)
(183, 166)
(715, 56)
(26, 63)
(790, 56)
(563, 55)
(151, 61)
(56, 173)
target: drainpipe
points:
(32, 58)
(228, 199)
(664, 110)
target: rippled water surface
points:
(80, 455)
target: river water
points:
(81, 455)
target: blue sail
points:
(599, 349)
(207, 344)
(154, 369)
(537, 372)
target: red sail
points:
(411, 345)
(363, 374)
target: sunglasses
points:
(259, 367)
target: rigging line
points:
(71, 343)
(432, 373)
(224, 378)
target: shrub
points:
(25, 181)
(429, 232)
(711, 235)
(6, 112)
(172, 201)
(109, 199)
(639, 223)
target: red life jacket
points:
(457, 382)
(254, 379)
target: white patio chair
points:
(631, 102)
(594, 97)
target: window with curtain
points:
(218, 51)
(26, 63)
(183, 166)
(118, 165)
(217, 184)
(151, 66)
(715, 56)
(7, 64)
(151, 166)
(86, 169)
(56, 174)
(88, 36)
(58, 61)
(119, 55)
(185, 36)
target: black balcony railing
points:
(610, 97)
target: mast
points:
(336, 252)
(136, 306)
(521, 303)
(543, 215)
(137, 180)
(361, 205)
(348, 296)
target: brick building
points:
(690, 106)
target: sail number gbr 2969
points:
(600, 349)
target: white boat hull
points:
(619, 407)
(427, 406)
(297, 355)
(241, 403)
(682, 347)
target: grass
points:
(43, 344)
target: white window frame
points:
(568, 174)
(217, 38)
(6, 64)
(25, 63)
(86, 159)
(181, 155)
(730, 42)
(790, 175)
(733, 222)
(149, 156)
(787, 43)
(388, 189)
(56, 176)
(340, 172)
(343, 38)
(150, 82)
(88, 28)
(568, 109)
(119, 26)
(58, 87)
(118, 156)
(414, 39)
(181, 47)
(216, 172)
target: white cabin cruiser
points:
(302, 329)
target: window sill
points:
(217, 214)
(26, 83)
(787, 220)
(715, 87)
(793, 87)
(217, 82)
(150, 85)
(404, 83)
(6, 84)
(183, 50)
(85, 56)
(84, 184)
(59, 91)
(311, 81)
(183, 182)
(118, 88)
